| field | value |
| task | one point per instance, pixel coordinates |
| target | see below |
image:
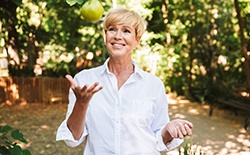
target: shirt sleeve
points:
(172, 145)
(63, 132)
(161, 119)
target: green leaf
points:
(17, 2)
(16, 150)
(73, 2)
(16, 134)
(26, 152)
(5, 129)
(79, 1)
(4, 150)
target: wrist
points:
(167, 137)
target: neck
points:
(121, 67)
(122, 71)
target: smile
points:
(118, 45)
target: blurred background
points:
(199, 48)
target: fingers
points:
(179, 133)
(182, 130)
(73, 85)
(188, 129)
(71, 81)
(94, 88)
(85, 93)
(188, 123)
(179, 128)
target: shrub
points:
(7, 144)
(188, 148)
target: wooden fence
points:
(33, 90)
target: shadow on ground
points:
(221, 134)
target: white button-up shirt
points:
(125, 121)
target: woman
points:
(117, 107)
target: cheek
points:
(107, 38)
(134, 43)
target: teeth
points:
(118, 44)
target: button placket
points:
(118, 125)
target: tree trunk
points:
(243, 43)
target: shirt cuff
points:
(172, 145)
(63, 133)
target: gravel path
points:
(220, 134)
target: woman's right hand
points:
(84, 94)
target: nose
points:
(118, 35)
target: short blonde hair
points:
(124, 16)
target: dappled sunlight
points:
(212, 128)
(39, 130)
(55, 99)
(172, 99)
(183, 101)
(205, 106)
(212, 147)
(14, 89)
(180, 116)
(244, 139)
(194, 111)
(38, 123)
(45, 127)
(220, 134)
(245, 94)
(216, 135)
(43, 90)
(174, 107)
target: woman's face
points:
(120, 40)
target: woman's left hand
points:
(179, 128)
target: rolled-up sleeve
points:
(63, 133)
(162, 147)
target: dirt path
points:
(220, 134)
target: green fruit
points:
(92, 10)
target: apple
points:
(92, 10)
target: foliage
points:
(193, 46)
(8, 146)
(73, 2)
(203, 34)
(188, 148)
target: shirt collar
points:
(104, 68)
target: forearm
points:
(77, 119)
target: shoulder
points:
(148, 76)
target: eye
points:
(126, 31)
(111, 29)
